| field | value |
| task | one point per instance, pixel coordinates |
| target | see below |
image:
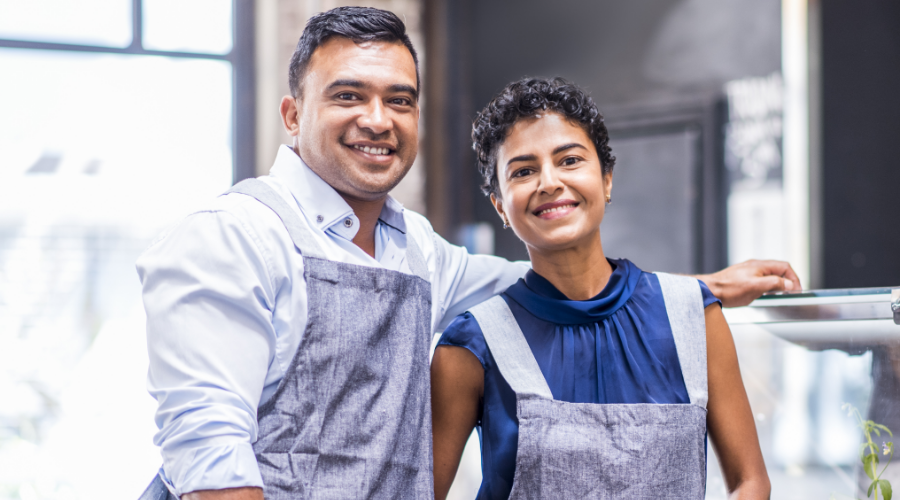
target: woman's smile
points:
(555, 210)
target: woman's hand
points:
(729, 419)
(457, 388)
(741, 284)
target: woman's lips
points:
(556, 209)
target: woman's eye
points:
(570, 161)
(522, 172)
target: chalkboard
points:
(652, 219)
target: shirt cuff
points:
(212, 468)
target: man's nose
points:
(375, 118)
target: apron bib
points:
(352, 416)
(607, 451)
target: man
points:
(290, 322)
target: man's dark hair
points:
(359, 24)
(530, 97)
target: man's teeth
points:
(373, 151)
(555, 209)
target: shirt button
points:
(319, 219)
(348, 222)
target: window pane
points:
(188, 25)
(98, 153)
(85, 22)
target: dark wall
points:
(651, 59)
(647, 52)
(861, 133)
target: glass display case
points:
(807, 359)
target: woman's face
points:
(552, 187)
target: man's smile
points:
(374, 152)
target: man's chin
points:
(373, 180)
(368, 189)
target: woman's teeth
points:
(373, 151)
(555, 209)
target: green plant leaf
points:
(870, 463)
(885, 429)
(885, 486)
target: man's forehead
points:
(339, 58)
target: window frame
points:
(241, 57)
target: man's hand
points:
(743, 283)
(226, 494)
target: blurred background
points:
(762, 129)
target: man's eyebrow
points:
(346, 83)
(564, 147)
(522, 158)
(402, 87)
(357, 84)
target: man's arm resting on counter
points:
(741, 284)
(227, 494)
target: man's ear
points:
(607, 180)
(290, 115)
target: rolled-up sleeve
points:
(209, 298)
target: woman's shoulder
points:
(464, 331)
(648, 289)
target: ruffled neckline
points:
(539, 297)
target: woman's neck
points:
(580, 272)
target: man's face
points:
(355, 122)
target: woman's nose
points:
(550, 181)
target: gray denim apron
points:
(607, 451)
(352, 416)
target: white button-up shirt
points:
(226, 305)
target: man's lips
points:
(556, 209)
(373, 149)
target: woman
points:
(589, 378)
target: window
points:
(118, 116)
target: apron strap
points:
(157, 490)
(684, 306)
(510, 349)
(297, 229)
(415, 259)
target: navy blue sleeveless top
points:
(616, 348)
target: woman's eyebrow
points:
(522, 158)
(558, 149)
(564, 147)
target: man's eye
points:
(346, 96)
(401, 101)
(570, 161)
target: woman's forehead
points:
(541, 134)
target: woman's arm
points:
(457, 387)
(730, 420)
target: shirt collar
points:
(321, 203)
(539, 297)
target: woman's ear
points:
(498, 206)
(607, 183)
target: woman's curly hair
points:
(530, 97)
